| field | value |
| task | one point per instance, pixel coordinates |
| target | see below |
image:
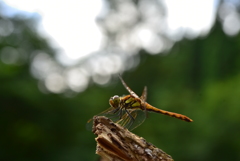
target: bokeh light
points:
(112, 37)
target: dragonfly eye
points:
(114, 101)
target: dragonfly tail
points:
(172, 114)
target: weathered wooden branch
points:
(117, 143)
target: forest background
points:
(198, 77)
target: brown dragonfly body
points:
(132, 103)
(128, 108)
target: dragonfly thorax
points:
(114, 101)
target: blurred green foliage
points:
(199, 78)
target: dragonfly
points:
(130, 111)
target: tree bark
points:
(115, 143)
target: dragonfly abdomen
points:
(172, 114)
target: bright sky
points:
(71, 24)
(196, 16)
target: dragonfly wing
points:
(128, 88)
(143, 99)
(144, 94)
(124, 121)
(139, 116)
(111, 113)
(131, 122)
(103, 113)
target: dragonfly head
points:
(114, 101)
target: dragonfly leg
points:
(120, 113)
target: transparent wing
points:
(143, 99)
(144, 94)
(112, 113)
(128, 88)
(131, 122)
